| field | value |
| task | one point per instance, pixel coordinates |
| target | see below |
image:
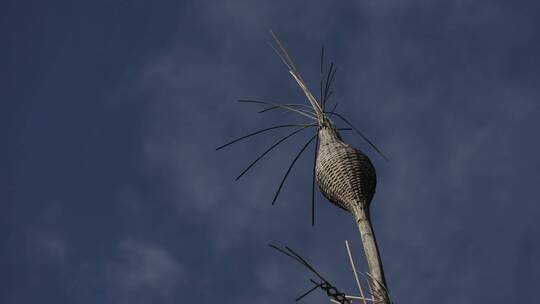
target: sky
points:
(112, 192)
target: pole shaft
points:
(372, 253)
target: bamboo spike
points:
(295, 256)
(284, 55)
(367, 280)
(386, 295)
(327, 85)
(361, 134)
(291, 166)
(313, 182)
(307, 292)
(360, 298)
(354, 271)
(289, 105)
(258, 132)
(277, 105)
(321, 80)
(270, 149)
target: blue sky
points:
(112, 191)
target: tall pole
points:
(371, 251)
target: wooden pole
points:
(371, 251)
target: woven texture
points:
(344, 174)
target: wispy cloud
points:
(142, 273)
(45, 245)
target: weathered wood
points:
(371, 252)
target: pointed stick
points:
(361, 134)
(291, 166)
(385, 290)
(313, 182)
(354, 271)
(308, 292)
(258, 132)
(289, 105)
(369, 284)
(359, 298)
(270, 149)
(284, 55)
(278, 106)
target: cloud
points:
(142, 273)
(46, 245)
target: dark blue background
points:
(112, 191)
